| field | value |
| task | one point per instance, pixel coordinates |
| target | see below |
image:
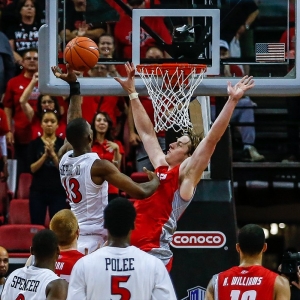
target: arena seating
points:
(22, 236)
(19, 211)
(24, 185)
(3, 201)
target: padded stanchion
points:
(205, 239)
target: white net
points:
(171, 91)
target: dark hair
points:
(251, 239)
(119, 217)
(46, 111)
(76, 132)
(24, 52)
(41, 111)
(21, 3)
(108, 134)
(44, 244)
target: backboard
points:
(275, 71)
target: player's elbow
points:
(146, 190)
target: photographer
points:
(290, 268)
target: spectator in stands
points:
(64, 224)
(44, 102)
(243, 112)
(236, 20)
(106, 146)
(7, 65)
(114, 106)
(96, 274)
(106, 47)
(78, 25)
(46, 189)
(24, 35)
(4, 263)
(42, 282)
(123, 32)
(142, 159)
(20, 132)
(3, 147)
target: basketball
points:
(81, 53)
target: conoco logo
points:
(198, 239)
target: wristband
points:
(74, 88)
(133, 96)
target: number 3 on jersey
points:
(116, 289)
(72, 190)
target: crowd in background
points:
(32, 135)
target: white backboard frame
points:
(48, 84)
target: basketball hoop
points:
(171, 86)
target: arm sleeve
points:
(163, 289)
(77, 284)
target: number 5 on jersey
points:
(117, 289)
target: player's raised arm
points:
(192, 168)
(142, 121)
(74, 110)
(105, 170)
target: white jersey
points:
(120, 273)
(28, 283)
(87, 199)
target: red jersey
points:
(157, 215)
(123, 34)
(3, 123)
(255, 282)
(100, 149)
(65, 263)
(14, 90)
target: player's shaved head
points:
(77, 133)
(4, 260)
(44, 244)
(64, 224)
(119, 217)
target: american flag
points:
(270, 52)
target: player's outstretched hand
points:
(70, 76)
(151, 175)
(128, 84)
(237, 92)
